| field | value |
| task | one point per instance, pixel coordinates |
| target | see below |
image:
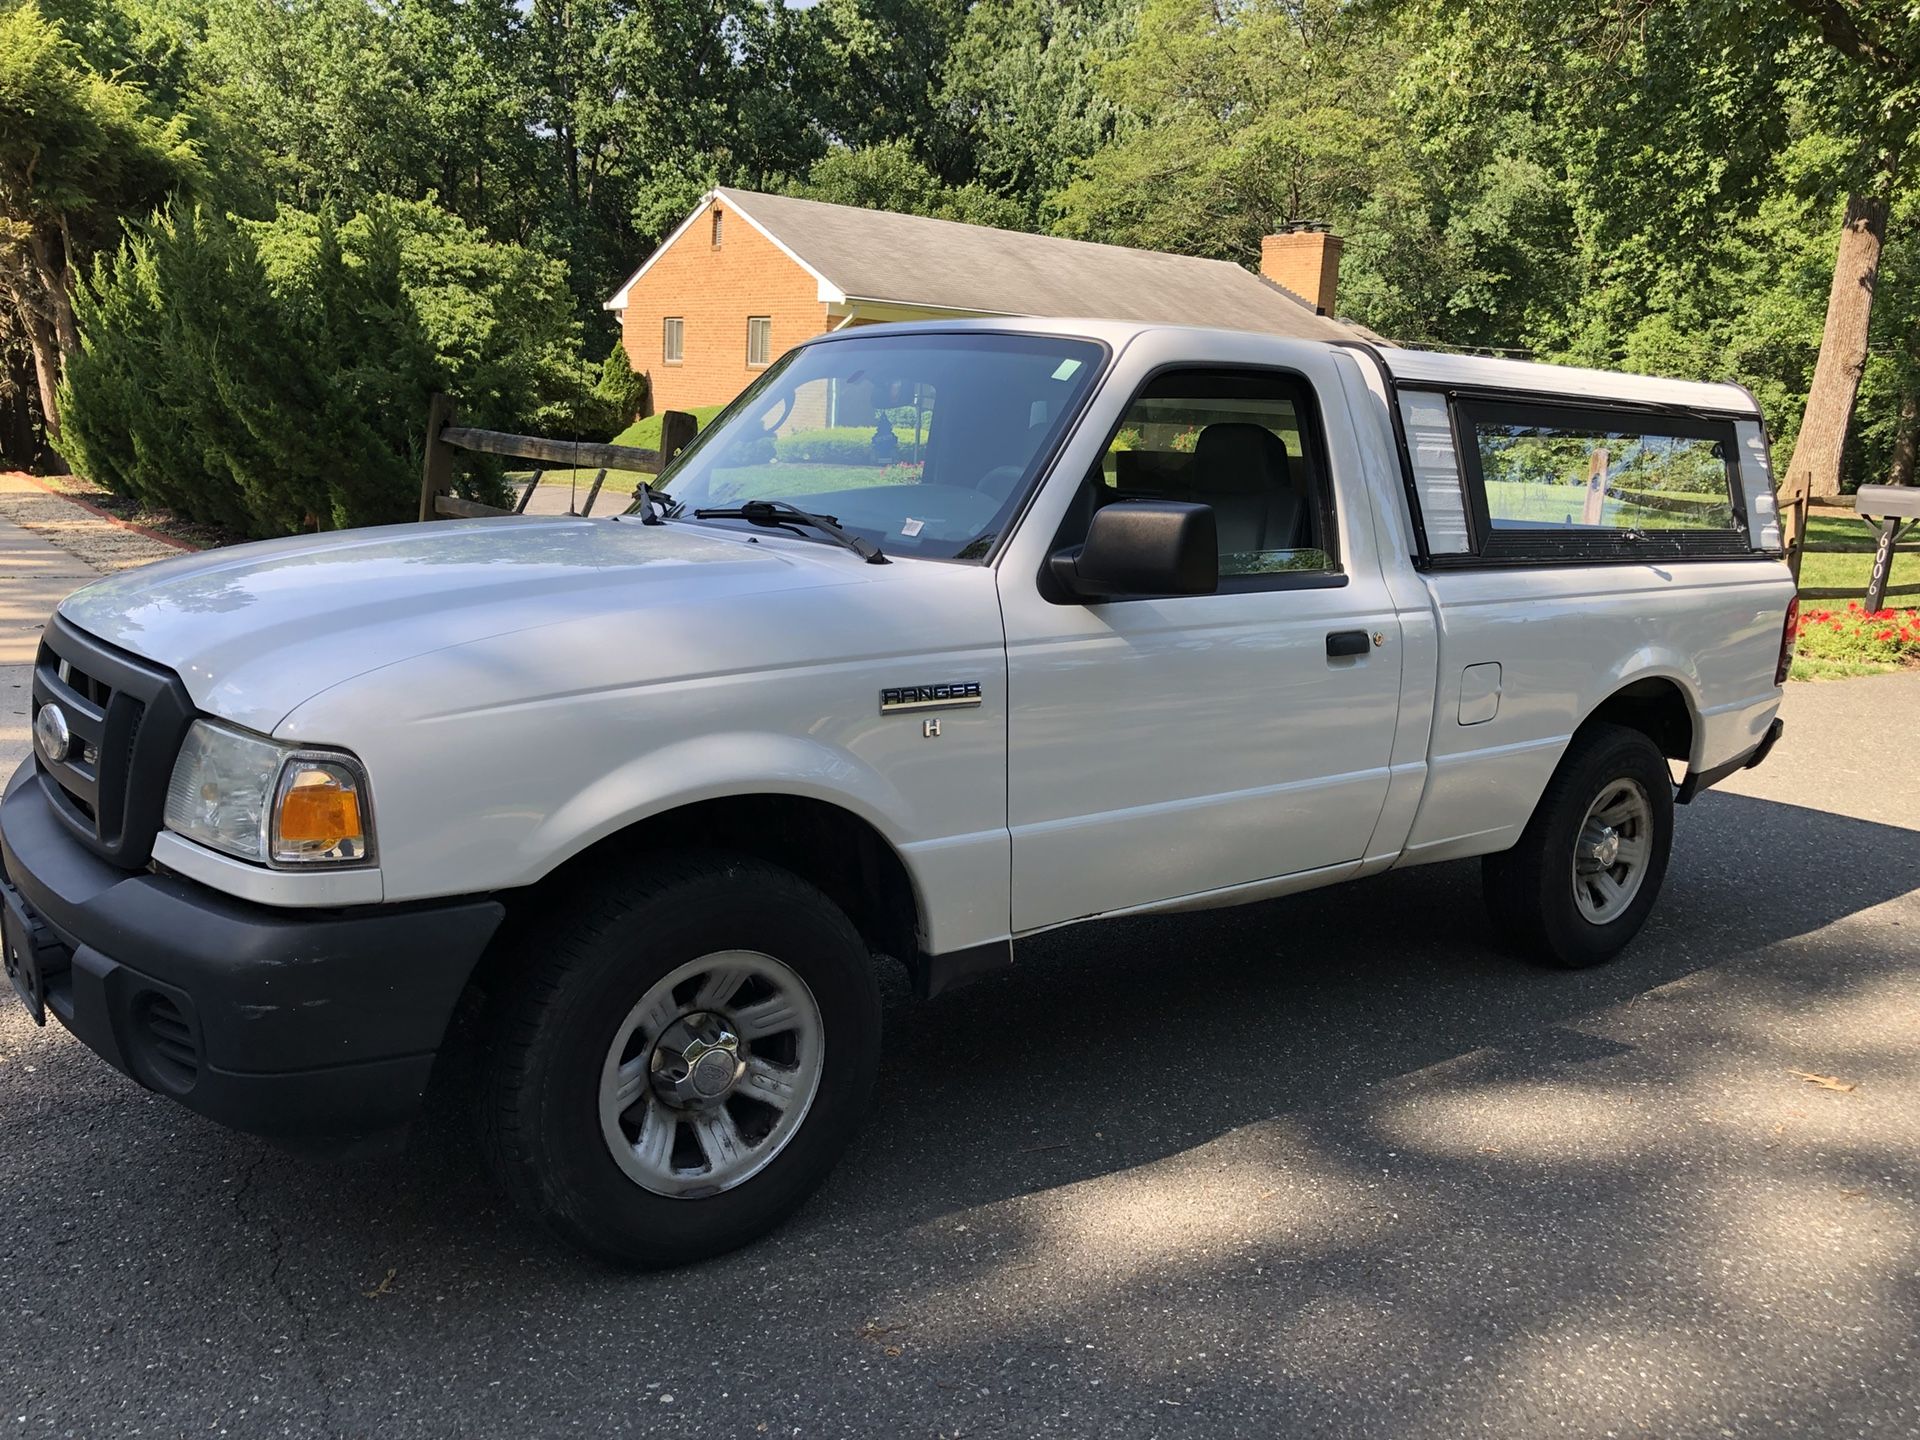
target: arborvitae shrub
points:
(273, 376)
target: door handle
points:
(1342, 643)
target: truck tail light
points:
(1789, 632)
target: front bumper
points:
(317, 1028)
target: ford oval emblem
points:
(50, 729)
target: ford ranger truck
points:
(939, 637)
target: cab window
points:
(1239, 441)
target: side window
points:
(1239, 441)
(673, 331)
(1549, 475)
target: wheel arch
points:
(1661, 705)
(840, 852)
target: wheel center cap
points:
(697, 1062)
(1607, 851)
(712, 1074)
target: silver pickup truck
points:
(938, 638)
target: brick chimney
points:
(1304, 258)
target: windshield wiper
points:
(779, 512)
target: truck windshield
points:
(924, 444)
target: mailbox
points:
(1895, 507)
(1888, 502)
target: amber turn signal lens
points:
(322, 814)
(319, 815)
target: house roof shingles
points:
(912, 260)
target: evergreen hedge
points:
(273, 376)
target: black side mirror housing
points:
(1142, 547)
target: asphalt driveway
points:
(1328, 1165)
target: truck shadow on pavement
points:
(1114, 1045)
(1159, 1033)
(1313, 1129)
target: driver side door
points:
(1165, 747)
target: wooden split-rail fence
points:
(445, 438)
(1794, 503)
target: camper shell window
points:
(1547, 480)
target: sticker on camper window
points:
(912, 528)
(1066, 369)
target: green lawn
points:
(1818, 667)
(1559, 504)
(645, 434)
(1850, 571)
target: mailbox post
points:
(1895, 507)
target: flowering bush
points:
(1882, 637)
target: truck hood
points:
(255, 630)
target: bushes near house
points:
(620, 394)
(271, 377)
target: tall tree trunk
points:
(46, 367)
(50, 269)
(19, 413)
(1843, 345)
(1906, 441)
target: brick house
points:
(747, 276)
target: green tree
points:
(342, 101)
(1238, 120)
(880, 68)
(214, 354)
(1678, 109)
(888, 176)
(78, 151)
(1022, 85)
(186, 360)
(497, 318)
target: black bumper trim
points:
(937, 974)
(301, 1025)
(1698, 780)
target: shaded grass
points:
(645, 434)
(1816, 667)
(1850, 571)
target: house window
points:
(718, 217)
(673, 335)
(760, 340)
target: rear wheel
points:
(1587, 869)
(673, 1070)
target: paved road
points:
(1323, 1166)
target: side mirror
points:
(1142, 547)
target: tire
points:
(554, 1103)
(1549, 897)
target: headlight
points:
(247, 796)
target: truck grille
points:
(125, 718)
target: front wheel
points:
(673, 1069)
(1588, 867)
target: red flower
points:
(1886, 635)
